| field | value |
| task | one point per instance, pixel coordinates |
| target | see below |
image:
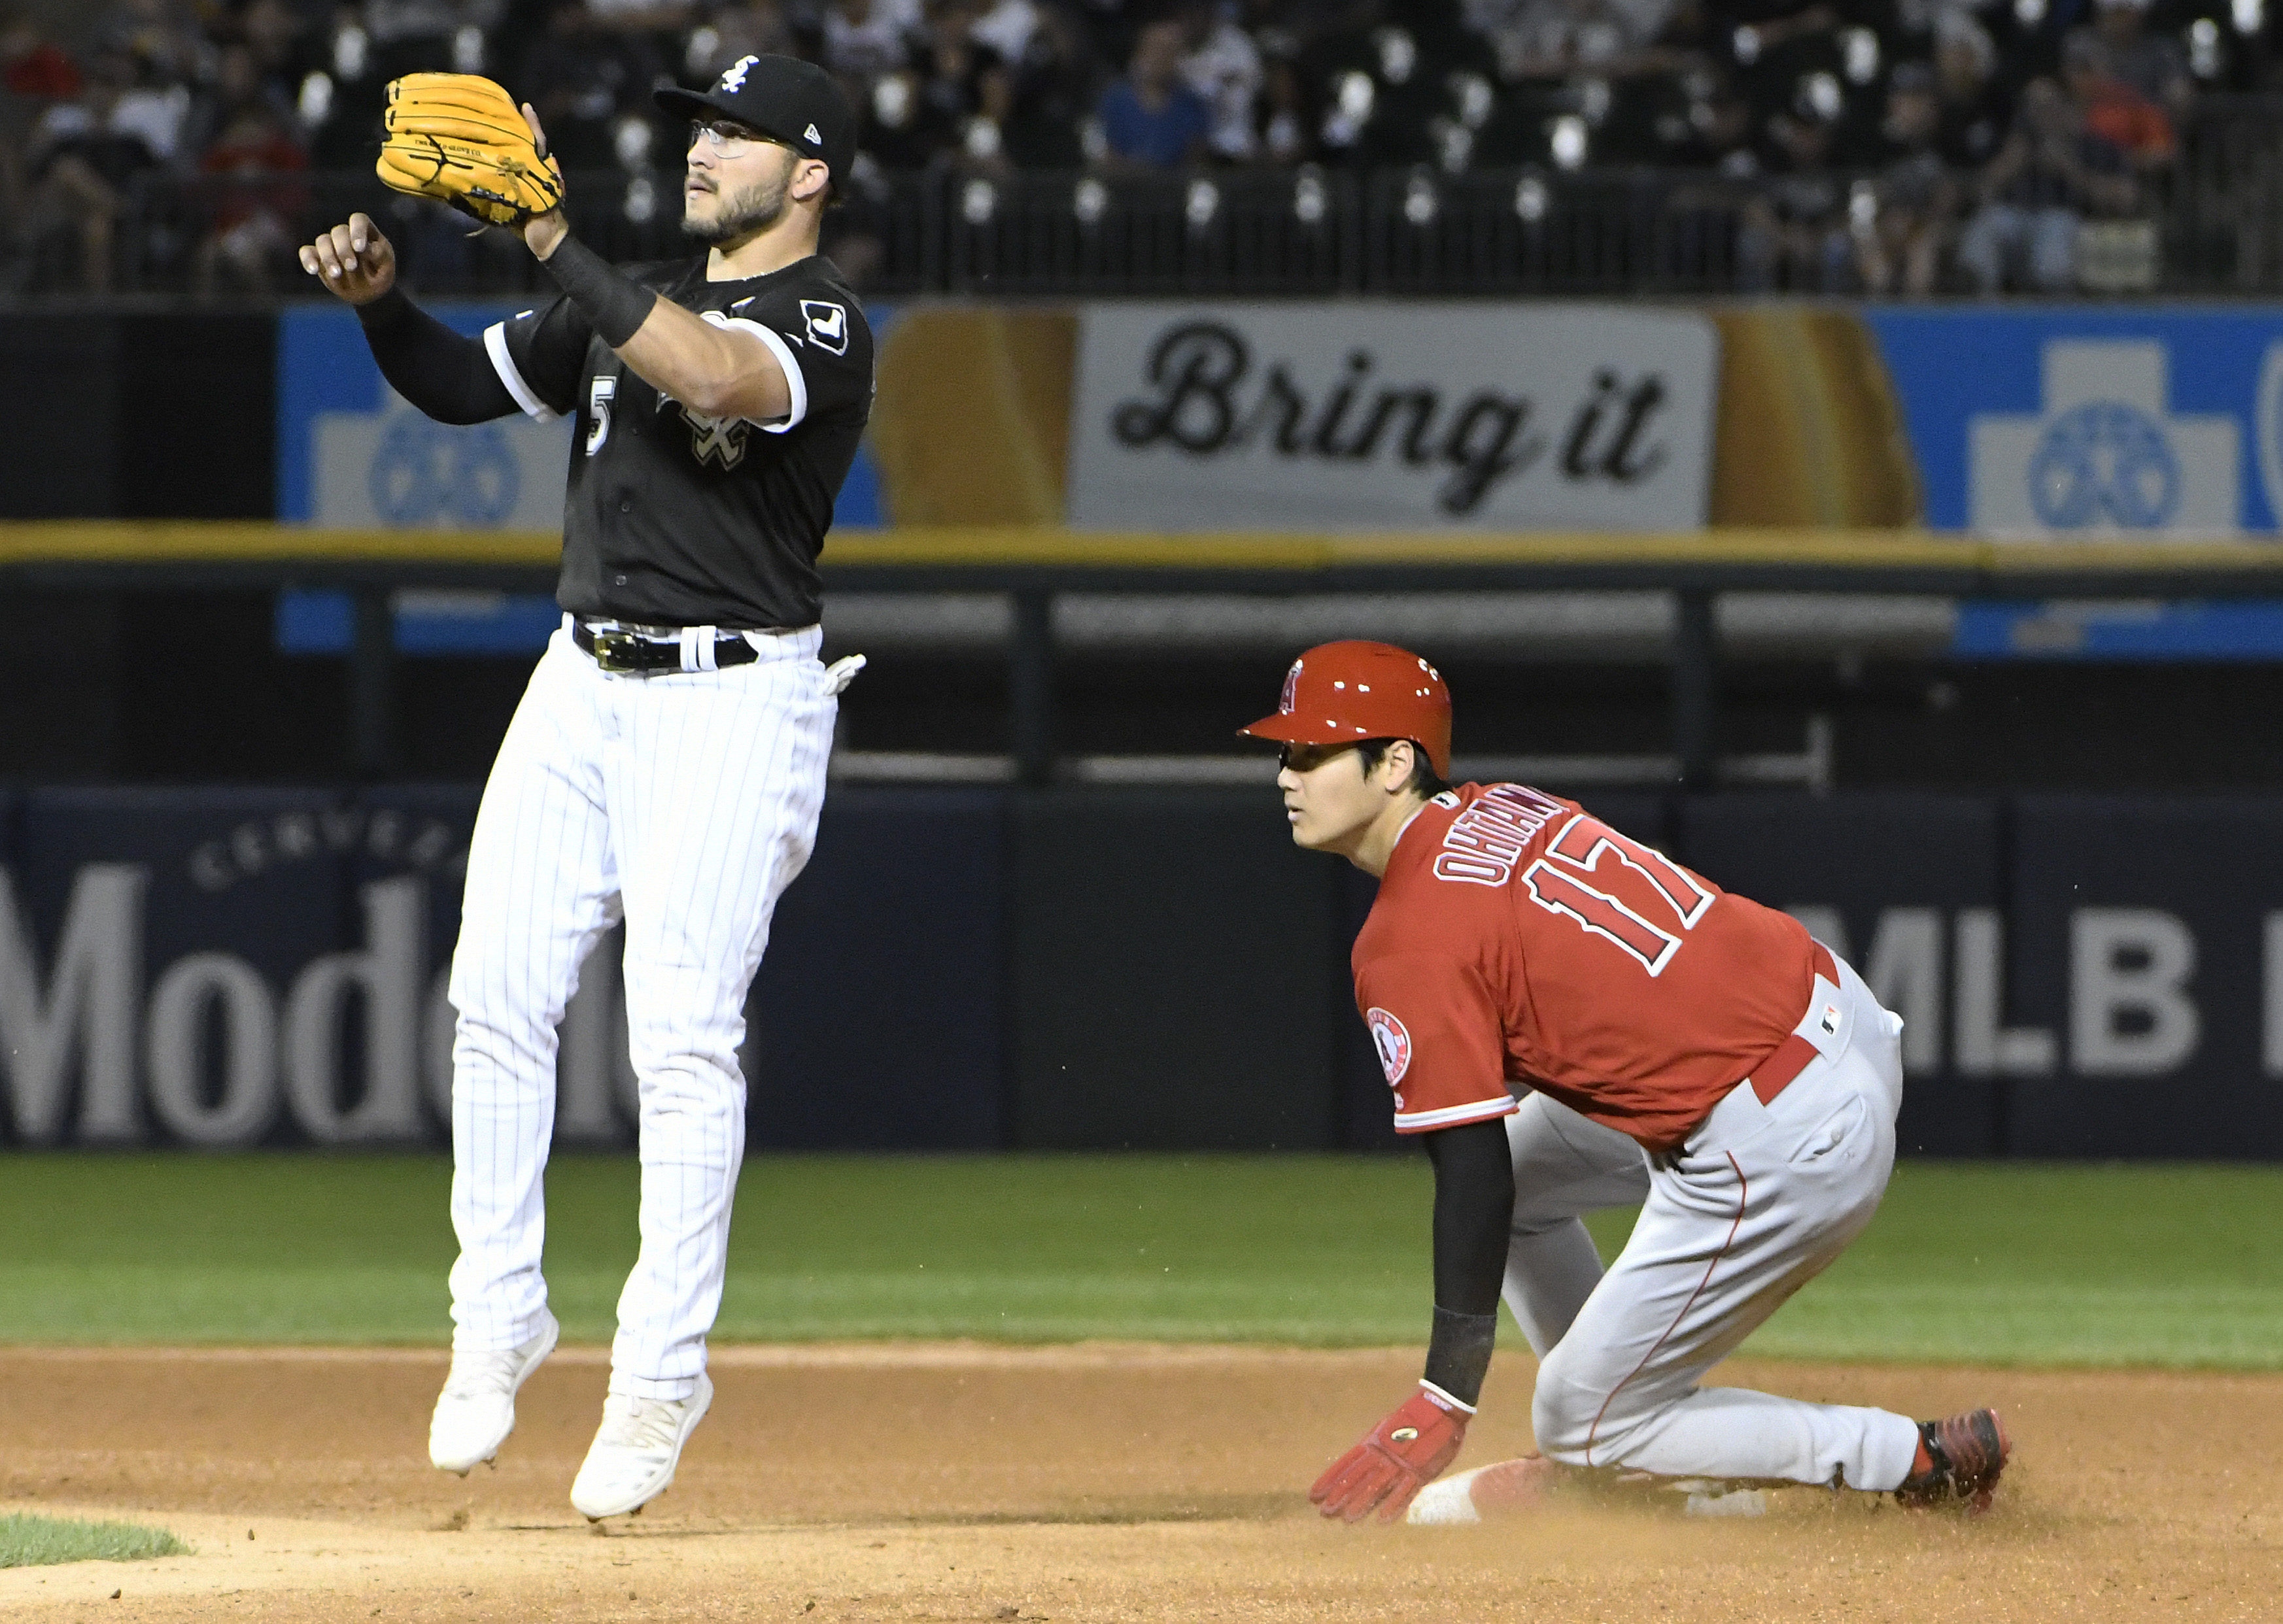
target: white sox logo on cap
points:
(733, 78)
(1392, 1041)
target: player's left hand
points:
(1397, 1458)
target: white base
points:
(1711, 1500)
(1445, 1499)
(1451, 1501)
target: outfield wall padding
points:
(1174, 975)
(878, 1020)
(1094, 968)
(1891, 875)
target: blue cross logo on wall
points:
(2105, 463)
(427, 474)
(2105, 452)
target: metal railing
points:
(1036, 569)
(170, 224)
(2217, 219)
(2224, 228)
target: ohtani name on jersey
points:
(1486, 841)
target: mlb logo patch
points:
(1393, 1043)
(1829, 1020)
(828, 325)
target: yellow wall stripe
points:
(103, 543)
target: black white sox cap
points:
(795, 102)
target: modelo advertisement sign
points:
(2058, 423)
(224, 968)
(2078, 975)
(1407, 417)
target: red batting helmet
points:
(1345, 693)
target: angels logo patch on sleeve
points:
(1393, 1043)
(828, 325)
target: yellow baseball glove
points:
(460, 138)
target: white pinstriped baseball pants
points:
(686, 802)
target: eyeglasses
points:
(729, 138)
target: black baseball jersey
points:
(672, 518)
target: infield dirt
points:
(947, 1482)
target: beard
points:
(740, 215)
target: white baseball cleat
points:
(636, 1450)
(476, 1411)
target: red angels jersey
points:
(1517, 939)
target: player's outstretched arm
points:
(449, 377)
(1473, 1208)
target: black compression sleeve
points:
(1459, 1354)
(446, 376)
(617, 307)
(1473, 1211)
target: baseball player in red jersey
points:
(1571, 1020)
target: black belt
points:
(654, 649)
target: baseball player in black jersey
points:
(667, 764)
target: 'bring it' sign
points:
(1392, 417)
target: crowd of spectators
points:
(1889, 146)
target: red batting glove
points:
(1397, 1458)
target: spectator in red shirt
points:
(34, 72)
(2153, 64)
(255, 166)
(34, 66)
(2112, 109)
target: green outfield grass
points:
(43, 1541)
(2015, 1264)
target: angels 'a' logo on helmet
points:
(1392, 1041)
(733, 77)
(1291, 689)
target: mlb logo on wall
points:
(2106, 452)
